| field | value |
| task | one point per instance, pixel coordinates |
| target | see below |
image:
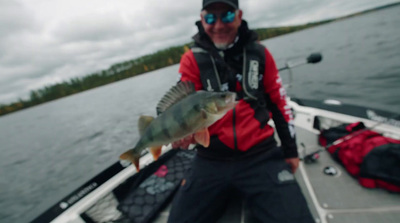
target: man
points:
(243, 154)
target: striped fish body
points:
(192, 113)
(182, 119)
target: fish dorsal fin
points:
(175, 94)
(144, 122)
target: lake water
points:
(49, 150)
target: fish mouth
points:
(231, 99)
(226, 103)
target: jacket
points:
(243, 131)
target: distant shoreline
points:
(144, 64)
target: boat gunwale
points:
(56, 214)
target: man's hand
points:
(294, 163)
(184, 143)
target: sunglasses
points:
(226, 17)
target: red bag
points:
(370, 157)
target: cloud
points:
(14, 18)
(92, 27)
(44, 42)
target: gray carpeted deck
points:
(337, 199)
(341, 198)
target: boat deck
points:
(332, 199)
(340, 198)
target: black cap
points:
(233, 3)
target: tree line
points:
(125, 70)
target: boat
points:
(121, 194)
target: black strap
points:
(210, 77)
(215, 76)
(254, 66)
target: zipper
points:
(234, 129)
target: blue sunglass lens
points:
(210, 18)
(226, 17)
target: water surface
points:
(49, 150)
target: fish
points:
(183, 111)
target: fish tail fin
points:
(202, 137)
(156, 152)
(130, 155)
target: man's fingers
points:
(184, 143)
(294, 163)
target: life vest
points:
(367, 155)
(212, 67)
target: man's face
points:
(222, 34)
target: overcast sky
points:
(43, 42)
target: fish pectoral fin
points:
(202, 137)
(155, 151)
(131, 156)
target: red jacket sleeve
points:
(281, 112)
(189, 70)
